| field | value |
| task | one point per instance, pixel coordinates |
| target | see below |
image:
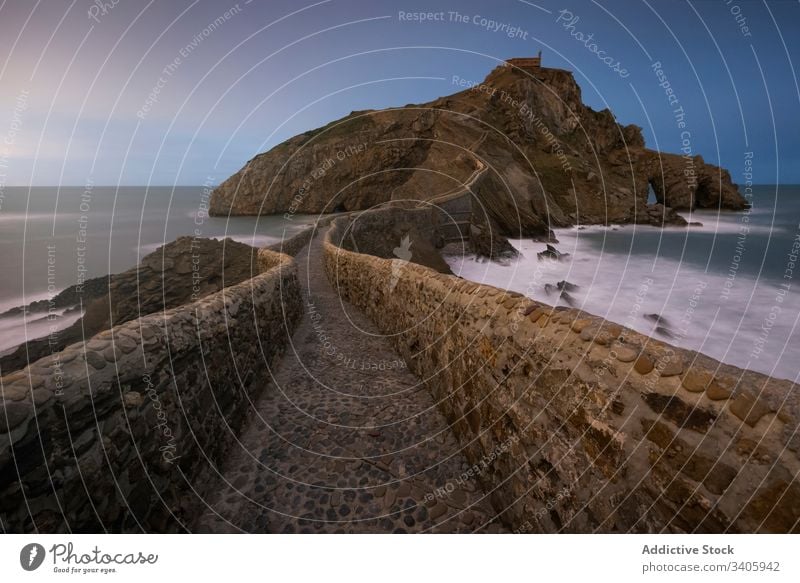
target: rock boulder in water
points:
(567, 286)
(552, 253)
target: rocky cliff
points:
(532, 154)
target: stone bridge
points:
(348, 390)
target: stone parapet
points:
(577, 424)
(121, 433)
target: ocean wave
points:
(23, 300)
(714, 314)
(18, 330)
(13, 217)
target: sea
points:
(729, 288)
(52, 238)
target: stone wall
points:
(577, 424)
(121, 433)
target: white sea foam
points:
(256, 240)
(16, 330)
(7, 304)
(753, 326)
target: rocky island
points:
(522, 142)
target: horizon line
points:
(205, 185)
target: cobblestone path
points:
(346, 439)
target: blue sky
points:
(76, 79)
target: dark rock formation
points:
(523, 143)
(658, 215)
(485, 241)
(568, 299)
(549, 237)
(177, 273)
(684, 183)
(552, 253)
(564, 285)
(405, 235)
(561, 290)
(657, 318)
(664, 331)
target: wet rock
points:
(657, 318)
(564, 285)
(485, 240)
(548, 237)
(552, 253)
(664, 331)
(657, 215)
(568, 299)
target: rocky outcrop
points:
(551, 254)
(522, 142)
(405, 236)
(684, 183)
(485, 241)
(658, 215)
(182, 271)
